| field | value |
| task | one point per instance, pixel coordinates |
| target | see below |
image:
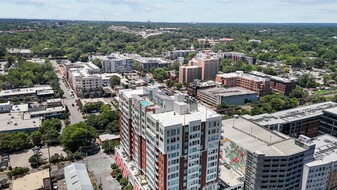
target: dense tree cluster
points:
(28, 74)
(92, 107)
(273, 103)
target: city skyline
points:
(217, 11)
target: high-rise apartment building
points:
(321, 173)
(168, 142)
(251, 82)
(267, 160)
(209, 66)
(189, 73)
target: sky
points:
(219, 11)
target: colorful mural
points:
(234, 155)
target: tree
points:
(17, 171)
(159, 74)
(179, 85)
(128, 187)
(36, 137)
(124, 182)
(307, 81)
(75, 136)
(109, 146)
(326, 78)
(115, 80)
(35, 161)
(170, 83)
(298, 92)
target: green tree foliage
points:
(14, 141)
(170, 83)
(307, 81)
(91, 107)
(159, 74)
(128, 187)
(56, 158)
(50, 131)
(124, 182)
(115, 80)
(36, 161)
(298, 92)
(273, 103)
(36, 137)
(109, 146)
(17, 171)
(107, 120)
(75, 136)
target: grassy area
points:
(325, 92)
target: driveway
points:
(100, 165)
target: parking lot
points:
(21, 159)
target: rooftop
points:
(77, 177)
(230, 176)
(23, 91)
(257, 139)
(292, 114)
(15, 122)
(277, 78)
(106, 137)
(166, 118)
(235, 91)
(325, 150)
(31, 181)
(243, 75)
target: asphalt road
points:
(100, 165)
(75, 114)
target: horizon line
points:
(168, 22)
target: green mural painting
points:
(234, 155)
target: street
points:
(100, 165)
(69, 101)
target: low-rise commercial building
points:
(34, 181)
(76, 177)
(321, 173)
(22, 93)
(5, 107)
(230, 96)
(303, 120)
(267, 160)
(251, 82)
(37, 60)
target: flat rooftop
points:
(325, 150)
(31, 181)
(129, 93)
(235, 91)
(294, 114)
(240, 74)
(171, 118)
(230, 176)
(23, 91)
(258, 140)
(15, 122)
